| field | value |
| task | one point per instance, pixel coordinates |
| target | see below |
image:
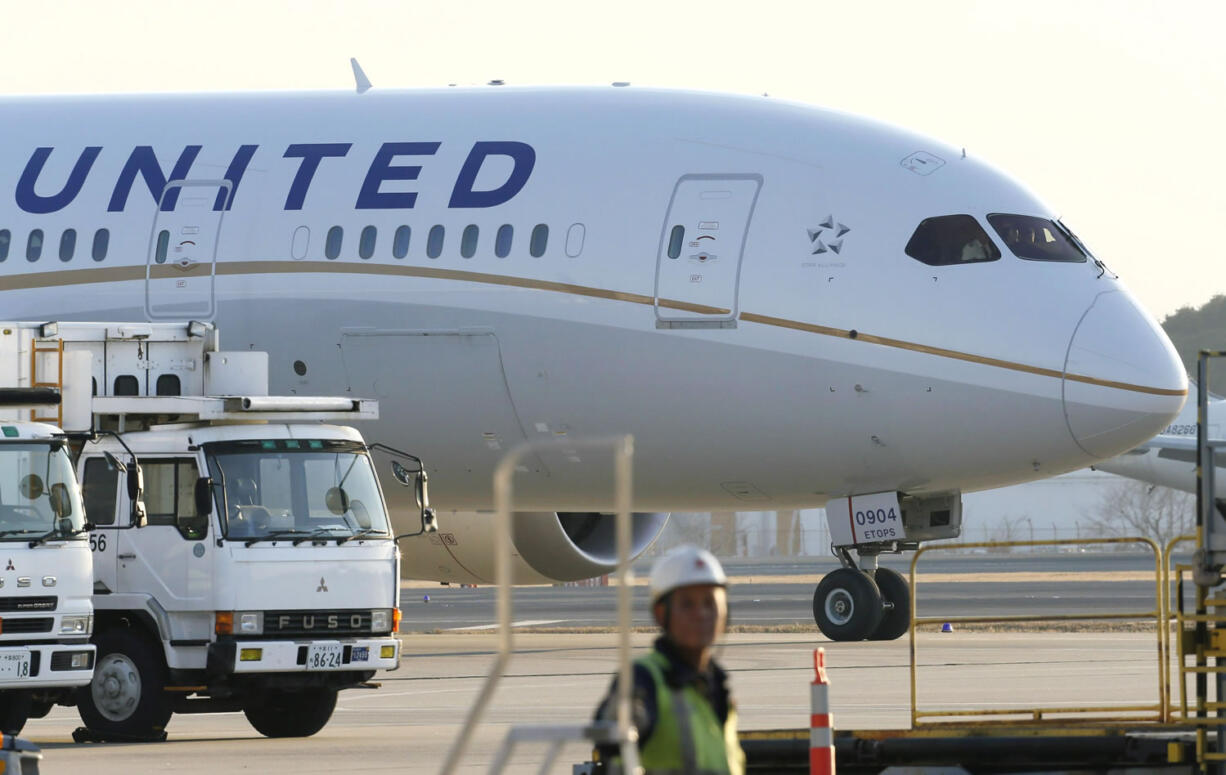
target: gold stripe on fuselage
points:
(228, 268)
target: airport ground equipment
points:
(249, 562)
(621, 731)
(862, 600)
(46, 577)
(18, 756)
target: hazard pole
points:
(821, 726)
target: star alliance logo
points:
(829, 229)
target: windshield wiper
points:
(319, 532)
(273, 536)
(15, 532)
(360, 534)
(45, 537)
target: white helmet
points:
(684, 566)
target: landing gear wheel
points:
(125, 697)
(847, 605)
(896, 621)
(291, 714)
(15, 710)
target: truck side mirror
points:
(115, 463)
(61, 502)
(204, 496)
(136, 495)
(423, 495)
(429, 523)
(63, 526)
(402, 474)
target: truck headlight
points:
(76, 625)
(381, 620)
(248, 623)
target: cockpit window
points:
(951, 239)
(1036, 239)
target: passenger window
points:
(366, 243)
(434, 242)
(5, 238)
(468, 241)
(400, 242)
(68, 244)
(159, 254)
(951, 239)
(675, 240)
(539, 240)
(34, 247)
(170, 495)
(502, 240)
(99, 486)
(574, 240)
(1036, 239)
(332, 245)
(102, 240)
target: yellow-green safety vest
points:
(688, 738)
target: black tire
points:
(847, 605)
(126, 696)
(291, 714)
(896, 621)
(15, 709)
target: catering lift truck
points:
(45, 568)
(249, 563)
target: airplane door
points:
(181, 265)
(698, 265)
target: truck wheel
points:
(125, 697)
(15, 710)
(291, 714)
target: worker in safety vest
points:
(682, 706)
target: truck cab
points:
(264, 579)
(243, 558)
(46, 615)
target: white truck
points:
(45, 571)
(249, 563)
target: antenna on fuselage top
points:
(363, 82)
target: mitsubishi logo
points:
(10, 565)
(323, 586)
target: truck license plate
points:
(15, 664)
(325, 656)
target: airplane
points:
(1169, 458)
(785, 305)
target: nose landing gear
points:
(862, 603)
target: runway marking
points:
(522, 623)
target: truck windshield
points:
(294, 488)
(37, 487)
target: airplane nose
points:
(1123, 380)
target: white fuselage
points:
(753, 371)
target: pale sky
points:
(1113, 112)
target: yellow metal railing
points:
(1157, 712)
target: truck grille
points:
(331, 622)
(43, 603)
(10, 626)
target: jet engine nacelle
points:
(546, 546)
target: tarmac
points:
(411, 722)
